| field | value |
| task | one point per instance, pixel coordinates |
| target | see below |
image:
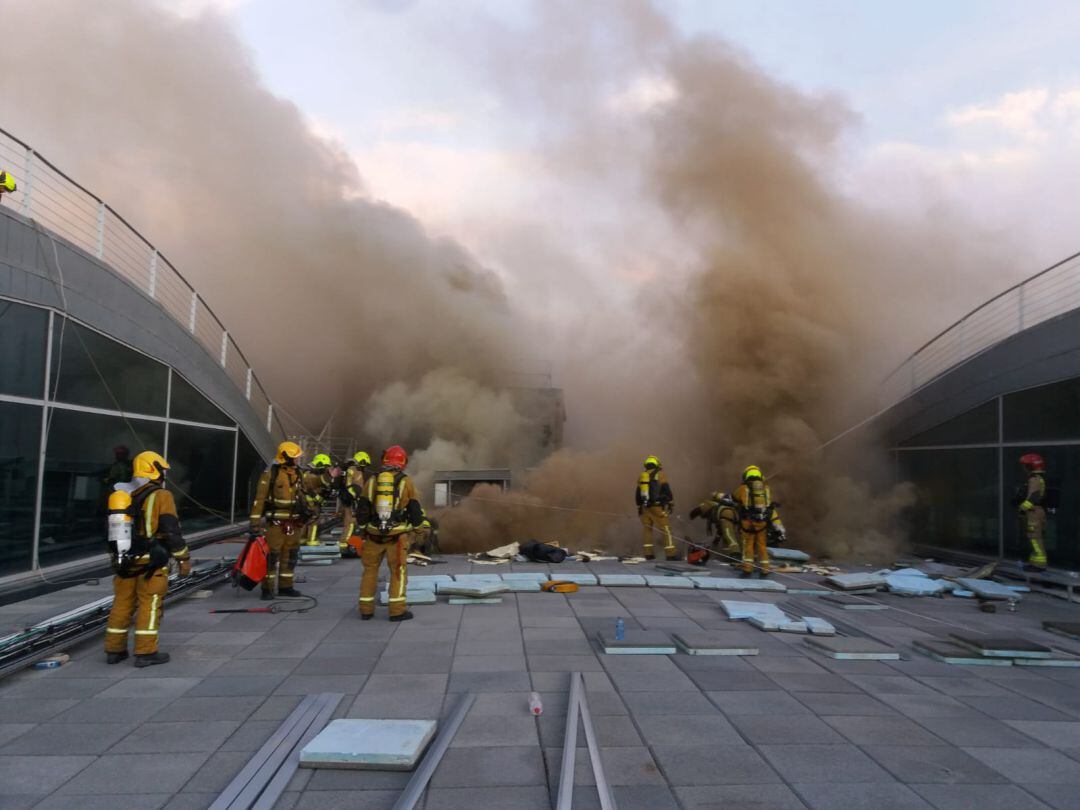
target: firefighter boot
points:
(744, 575)
(290, 592)
(151, 659)
(116, 657)
(401, 617)
(266, 596)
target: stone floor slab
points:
(38, 775)
(490, 767)
(720, 765)
(136, 773)
(875, 730)
(823, 764)
(871, 796)
(739, 797)
(764, 729)
(922, 764)
(705, 730)
(1030, 765)
(394, 745)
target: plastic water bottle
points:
(620, 629)
(535, 706)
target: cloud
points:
(1019, 114)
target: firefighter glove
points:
(695, 512)
(185, 568)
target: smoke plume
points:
(691, 269)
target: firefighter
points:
(394, 514)
(7, 184)
(721, 526)
(1032, 509)
(144, 533)
(757, 518)
(654, 503)
(322, 476)
(281, 504)
(350, 491)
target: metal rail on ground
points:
(579, 708)
(422, 775)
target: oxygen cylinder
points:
(643, 488)
(120, 524)
(384, 498)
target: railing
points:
(51, 198)
(1052, 292)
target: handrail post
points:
(1020, 307)
(224, 345)
(960, 340)
(911, 365)
(26, 209)
(269, 416)
(99, 250)
(247, 385)
(151, 286)
(191, 313)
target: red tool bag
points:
(250, 568)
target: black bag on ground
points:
(542, 552)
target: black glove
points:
(695, 512)
(253, 533)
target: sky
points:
(977, 103)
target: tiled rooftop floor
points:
(788, 728)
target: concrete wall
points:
(105, 301)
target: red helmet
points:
(1033, 461)
(395, 457)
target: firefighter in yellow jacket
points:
(281, 503)
(350, 493)
(144, 533)
(655, 502)
(394, 513)
(757, 518)
(322, 475)
(1032, 509)
(721, 525)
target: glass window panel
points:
(82, 359)
(200, 475)
(187, 403)
(958, 502)
(86, 454)
(977, 426)
(1049, 412)
(249, 466)
(20, 429)
(1062, 536)
(22, 349)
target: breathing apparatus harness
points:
(129, 538)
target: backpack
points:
(251, 565)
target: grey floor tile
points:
(533, 797)
(329, 779)
(69, 738)
(112, 710)
(34, 688)
(924, 764)
(135, 773)
(823, 764)
(217, 772)
(490, 767)
(275, 707)
(890, 685)
(487, 731)
(347, 800)
(1060, 797)
(316, 684)
(930, 704)
(719, 765)
(675, 703)
(564, 663)
(12, 731)
(145, 801)
(252, 666)
(871, 796)
(704, 729)
(401, 684)
(1030, 765)
(792, 664)
(965, 687)
(764, 729)
(803, 682)
(185, 736)
(739, 797)
(622, 766)
(251, 735)
(647, 681)
(13, 710)
(488, 663)
(234, 685)
(644, 797)
(718, 680)
(209, 708)
(560, 681)
(384, 706)
(874, 730)
(38, 775)
(978, 797)
(611, 730)
(1053, 734)
(412, 665)
(489, 682)
(734, 704)
(977, 731)
(835, 703)
(1016, 708)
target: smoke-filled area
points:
(719, 301)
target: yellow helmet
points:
(149, 465)
(652, 461)
(288, 450)
(751, 473)
(363, 459)
(321, 460)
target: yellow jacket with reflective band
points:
(1035, 494)
(158, 522)
(286, 502)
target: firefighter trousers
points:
(145, 599)
(396, 550)
(754, 546)
(283, 540)
(654, 520)
(1033, 523)
(348, 523)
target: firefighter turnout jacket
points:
(391, 504)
